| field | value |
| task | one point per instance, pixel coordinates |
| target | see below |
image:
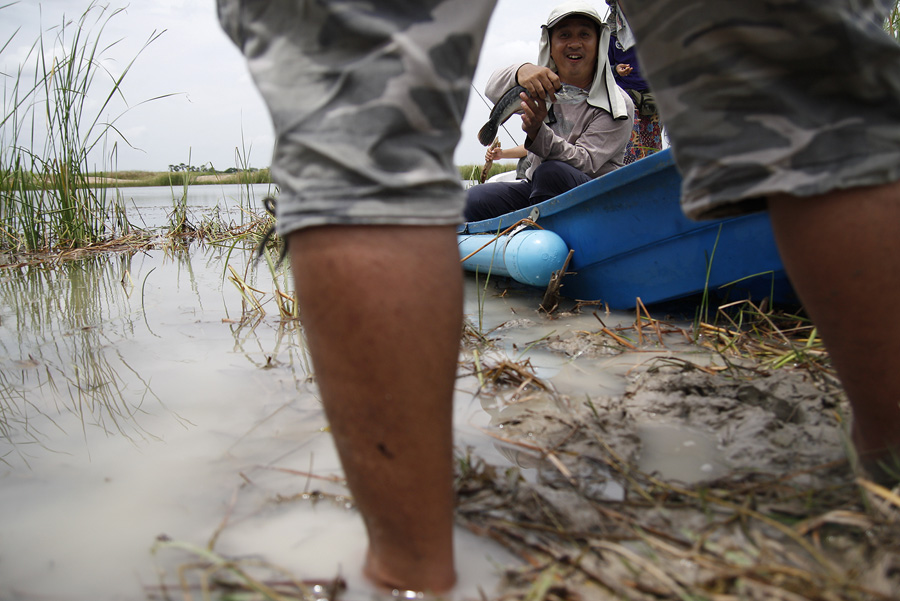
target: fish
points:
(510, 103)
(487, 164)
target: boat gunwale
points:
(586, 192)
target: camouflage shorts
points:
(768, 96)
(367, 99)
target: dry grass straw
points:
(737, 538)
(209, 575)
(522, 223)
(254, 300)
(770, 339)
(665, 541)
(211, 231)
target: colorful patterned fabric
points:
(646, 137)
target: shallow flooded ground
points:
(137, 403)
(148, 412)
(140, 400)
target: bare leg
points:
(382, 312)
(842, 252)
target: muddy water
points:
(139, 399)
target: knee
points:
(547, 167)
(557, 167)
(554, 171)
(486, 201)
(476, 203)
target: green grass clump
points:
(473, 172)
(892, 24)
(125, 177)
(52, 120)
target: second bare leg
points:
(842, 252)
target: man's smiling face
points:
(573, 47)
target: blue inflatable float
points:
(528, 256)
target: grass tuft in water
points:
(52, 122)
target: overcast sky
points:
(214, 108)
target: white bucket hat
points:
(604, 92)
(570, 8)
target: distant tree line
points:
(182, 168)
(205, 168)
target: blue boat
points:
(630, 240)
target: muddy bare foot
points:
(409, 576)
(882, 467)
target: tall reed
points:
(178, 219)
(892, 25)
(52, 122)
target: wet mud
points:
(597, 506)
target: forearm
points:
(516, 152)
(500, 81)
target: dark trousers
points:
(493, 199)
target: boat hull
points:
(631, 240)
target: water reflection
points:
(60, 367)
(76, 357)
(288, 349)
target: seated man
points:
(569, 144)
